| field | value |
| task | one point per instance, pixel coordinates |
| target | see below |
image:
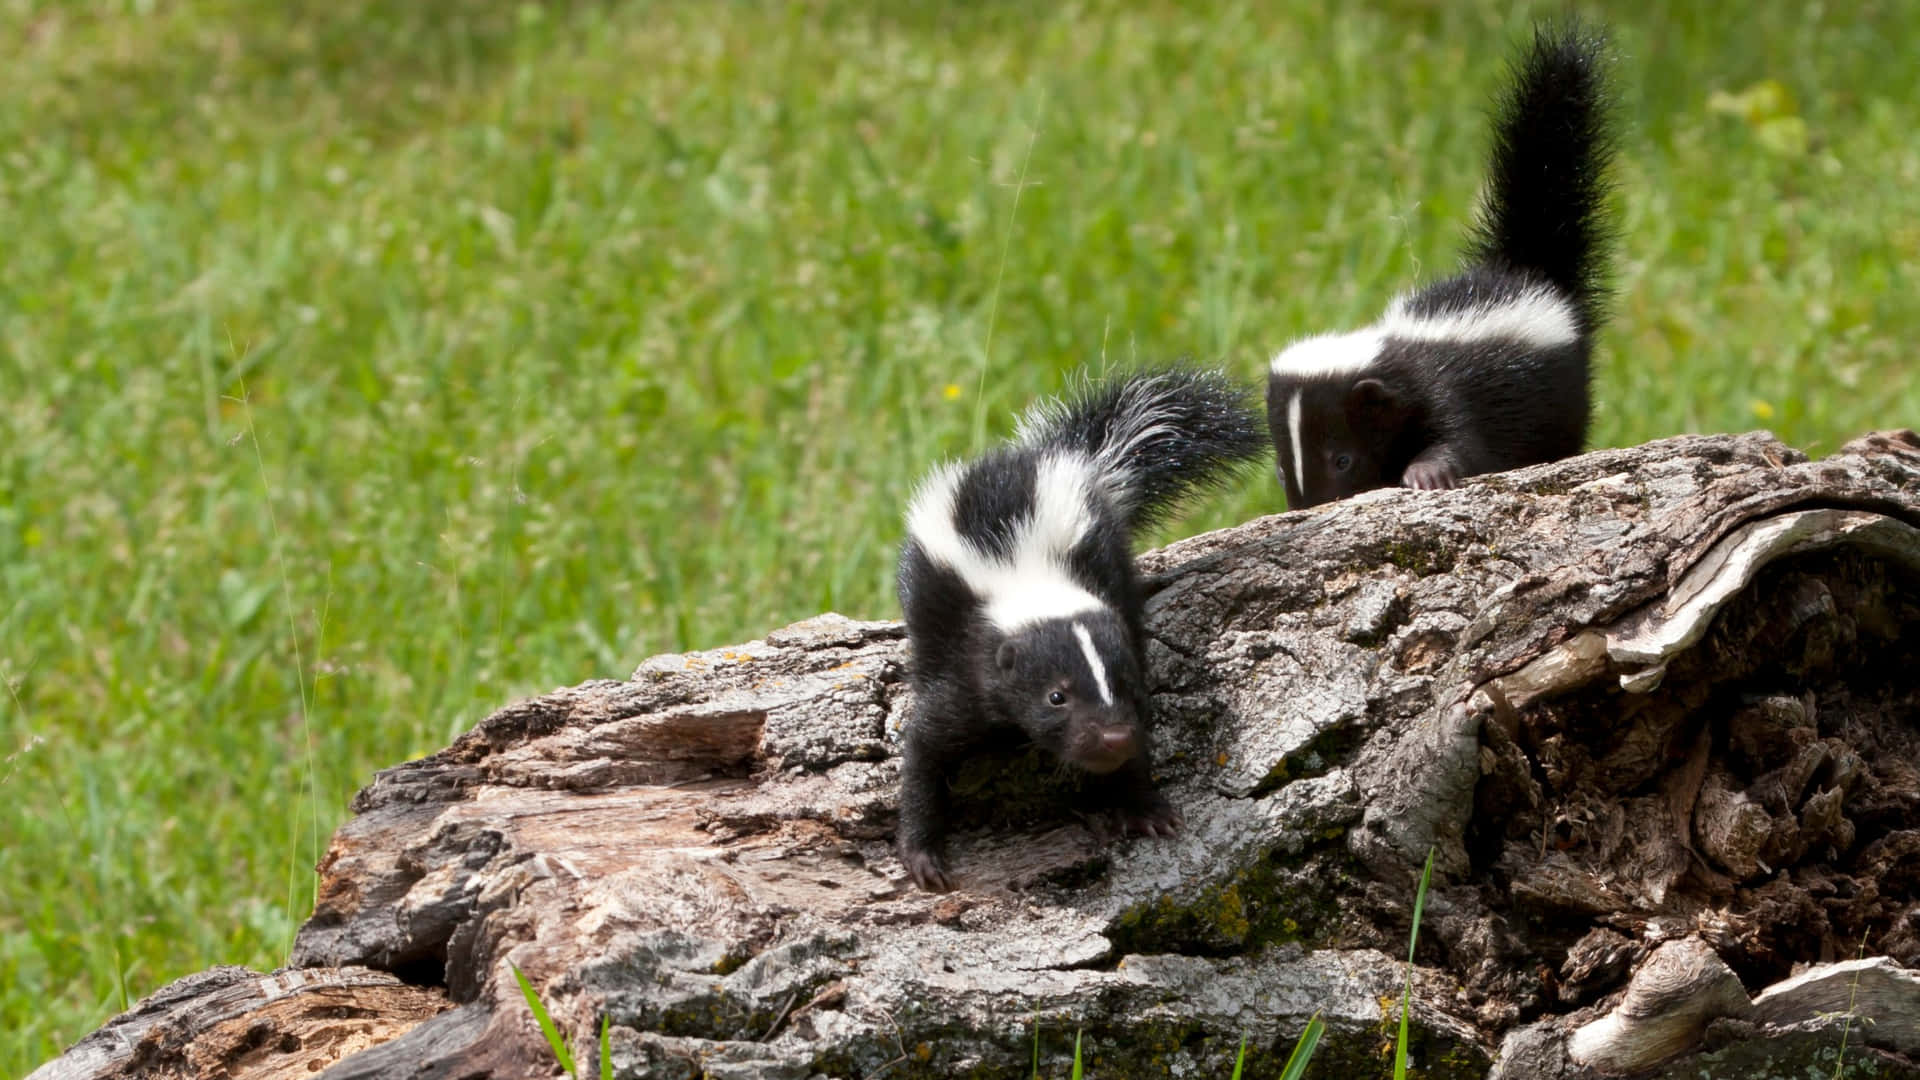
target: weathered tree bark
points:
(1656, 712)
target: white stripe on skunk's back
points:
(1325, 355)
(1032, 584)
(1143, 414)
(1540, 317)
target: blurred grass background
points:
(367, 366)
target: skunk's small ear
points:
(1006, 656)
(1371, 394)
(1375, 402)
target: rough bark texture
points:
(1656, 711)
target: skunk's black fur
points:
(1486, 370)
(1018, 587)
(1547, 182)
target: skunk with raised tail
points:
(1487, 370)
(1018, 586)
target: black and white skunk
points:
(1017, 582)
(1487, 370)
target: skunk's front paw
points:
(1431, 476)
(928, 870)
(1154, 817)
(1136, 807)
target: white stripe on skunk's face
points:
(1093, 662)
(1299, 457)
(1031, 584)
(1539, 317)
(1074, 686)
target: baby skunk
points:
(1018, 586)
(1487, 370)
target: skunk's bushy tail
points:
(1154, 436)
(1553, 136)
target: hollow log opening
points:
(1765, 796)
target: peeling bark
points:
(235, 1022)
(1656, 711)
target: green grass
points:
(367, 366)
(562, 1053)
(557, 1040)
(1406, 998)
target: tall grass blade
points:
(1846, 1025)
(993, 306)
(1303, 1049)
(1036, 1046)
(606, 1048)
(1406, 999)
(245, 401)
(554, 1038)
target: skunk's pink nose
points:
(1117, 741)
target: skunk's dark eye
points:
(1057, 698)
(1343, 463)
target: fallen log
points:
(1655, 712)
